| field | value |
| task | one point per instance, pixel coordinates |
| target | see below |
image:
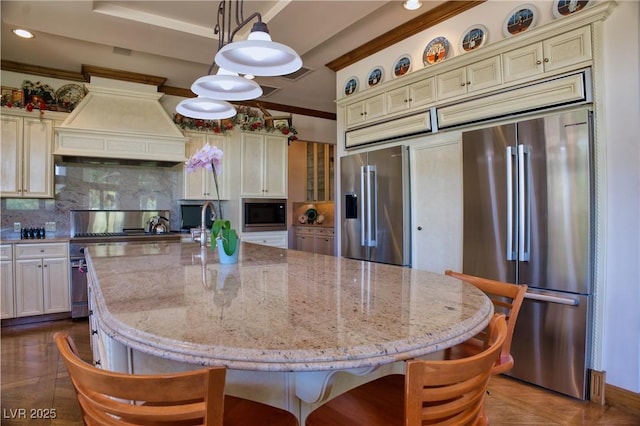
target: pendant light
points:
(206, 108)
(226, 85)
(259, 55)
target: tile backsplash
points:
(80, 186)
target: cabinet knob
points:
(419, 228)
(406, 100)
(538, 62)
(97, 362)
(94, 332)
(468, 83)
(463, 84)
(410, 100)
(546, 60)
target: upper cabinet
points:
(472, 78)
(26, 155)
(320, 169)
(200, 184)
(412, 96)
(366, 110)
(263, 165)
(564, 50)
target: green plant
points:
(222, 229)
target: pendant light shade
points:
(226, 85)
(206, 108)
(258, 55)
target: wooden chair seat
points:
(185, 398)
(507, 298)
(449, 392)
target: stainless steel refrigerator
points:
(528, 220)
(375, 208)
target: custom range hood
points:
(120, 122)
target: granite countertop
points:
(277, 309)
(14, 237)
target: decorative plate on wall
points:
(351, 86)
(402, 66)
(520, 20)
(375, 77)
(567, 7)
(474, 37)
(436, 51)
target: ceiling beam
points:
(416, 25)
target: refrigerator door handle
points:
(552, 299)
(363, 235)
(373, 205)
(511, 253)
(524, 195)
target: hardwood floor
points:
(35, 382)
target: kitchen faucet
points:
(203, 228)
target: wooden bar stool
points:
(450, 392)
(185, 398)
(507, 299)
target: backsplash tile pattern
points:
(98, 187)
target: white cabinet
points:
(472, 78)
(7, 284)
(199, 184)
(26, 156)
(437, 205)
(366, 110)
(274, 238)
(315, 239)
(410, 97)
(42, 278)
(264, 165)
(556, 53)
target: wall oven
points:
(264, 214)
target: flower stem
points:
(215, 180)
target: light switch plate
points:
(17, 226)
(50, 226)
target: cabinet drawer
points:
(38, 251)
(6, 252)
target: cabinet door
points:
(523, 62)
(195, 182)
(437, 207)
(484, 74)
(452, 83)
(323, 244)
(7, 287)
(422, 93)
(567, 49)
(11, 157)
(305, 242)
(398, 100)
(354, 113)
(275, 167)
(29, 288)
(56, 285)
(252, 180)
(374, 107)
(38, 159)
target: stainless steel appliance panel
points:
(79, 290)
(352, 206)
(375, 208)
(486, 195)
(551, 343)
(555, 234)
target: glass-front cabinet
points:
(320, 169)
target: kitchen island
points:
(293, 328)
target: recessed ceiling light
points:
(23, 33)
(412, 4)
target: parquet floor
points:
(35, 382)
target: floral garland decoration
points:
(246, 119)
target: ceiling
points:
(175, 39)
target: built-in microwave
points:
(264, 214)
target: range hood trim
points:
(106, 124)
